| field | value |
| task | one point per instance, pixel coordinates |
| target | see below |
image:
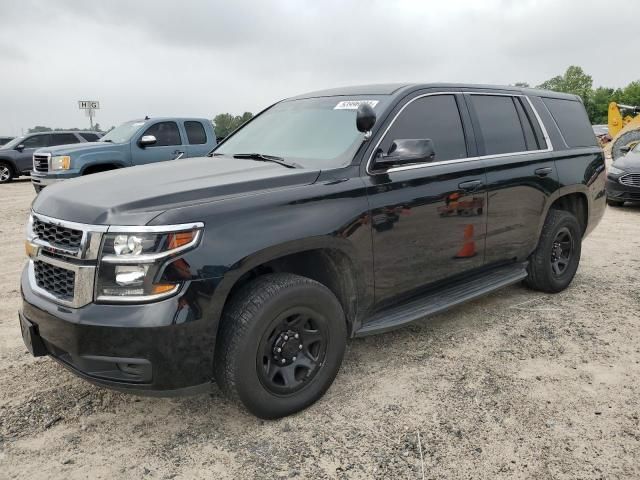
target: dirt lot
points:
(518, 384)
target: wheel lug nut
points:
(294, 359)
(283, 361)
(300, 347)
(286, 337)
(278, 350)
(296, 336)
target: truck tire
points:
(280, 344)
(625, 139)
(6, 172)
(555, 261)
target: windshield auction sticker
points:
(354, 104)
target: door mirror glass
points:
(365, 118)
(20, 147)
(147, 140)
(406, 151)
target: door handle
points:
(179, 154)
(470, 186)
(543, 172)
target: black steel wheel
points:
(292, 351)
(555, 261)
(280, 344)
(561, 251)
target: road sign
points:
(88, 105)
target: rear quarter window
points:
(195, 133)
(90, 137)
(572, 120)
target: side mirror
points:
(365, 118)
(406, 151)
(147, 140)
(20, 147)
(625, 149)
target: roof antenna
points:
(146, 117)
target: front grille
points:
(58, 281)
(630, 180)
(41, 163)
(57, 235)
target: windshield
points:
(314, 132)
(123, 133)
(13, 143)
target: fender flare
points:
(117, 163)
(559, 193)
(225, 283)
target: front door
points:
(428, 220)
(24, 158)
(169, 144)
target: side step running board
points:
(442, 299)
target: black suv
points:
(16, 157)
(329, 215)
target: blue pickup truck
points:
(137, 142)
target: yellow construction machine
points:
(624, 131)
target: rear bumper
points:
(163, 348)
(617, 191)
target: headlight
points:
(133, 265)
(615, 171)
(62, 162)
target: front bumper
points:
(162, 348)
(623, 193)
(41, 180)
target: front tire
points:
(6, 172)
(555, 261)
(280, 344)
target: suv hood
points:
(135, 195)
(76, 147)
(630, 162)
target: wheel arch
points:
(327, 262)
(11, 163)
(574, 199)
(97, 167)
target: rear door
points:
(428, 220)
(169, 144)
(63, 139)
(24, 158)
(196, 138)
(521, 173)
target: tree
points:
(96, 127)
(521, 84)
(39, 129)
(225, 123)
(573, 81)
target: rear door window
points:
(499, 124)
(195, 133)
(36, 141)
(435, 117)
(572, 120)
(90, 137)
(63, 139)
(166, 134)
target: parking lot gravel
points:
(515, 385)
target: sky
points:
(204, 57)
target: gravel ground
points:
(515, 385)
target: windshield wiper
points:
(106, 141)
(267, 158)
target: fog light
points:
(130, 275)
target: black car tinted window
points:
(63, 139)
(571, 118)
(195, 133)
(90, 137)
(525, 122)
(499, 124)
(166, 133)
(436, 117)
(37, 141)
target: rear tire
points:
(555, 261)
(614, 203)
(280, 344)
(6, 172)
(626, 139)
